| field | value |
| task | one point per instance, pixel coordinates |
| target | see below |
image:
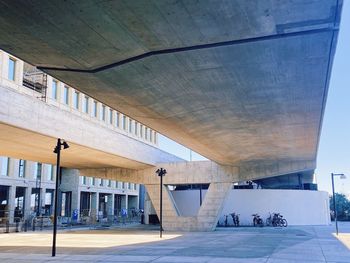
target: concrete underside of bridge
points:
(237, 81)
(244, 83)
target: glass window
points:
(76, 100)
(130, 125)
(135, 186)
(117, 119)
(54, 89)
(21, 168)
(141, 131)
(37, 170)
(146, 133)
(94, 109)
(110, 116)
(101, 182)
(103, 113)
(116, 184)
(66, 95)
(150, 135)
(155, 138)
(12, 69)
(93, 181)
(50, 172)
(83, 180)
(109, 184)
(86, 104)
(124, 122)
(135, 129)
(5, 166)
(123, 185)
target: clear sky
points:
(334, 148)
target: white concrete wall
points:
(187, 201)
(299, 207)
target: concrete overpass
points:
(244, 84)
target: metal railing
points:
(29, 221)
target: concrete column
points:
(110, 204)
(42, 199)
(27, 201)
(11, 202)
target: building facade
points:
(27, 187)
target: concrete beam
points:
(29, 128)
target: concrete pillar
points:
(42, 199)
(27, 201)
(110, 204)
(11, 203)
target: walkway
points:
(292, 244)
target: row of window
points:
(100, 111)
(37, 171)
(100, 182)
(114, 118)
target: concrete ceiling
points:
(237, 81)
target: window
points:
(86, 104)
(101, 182)
(76, 100)
(50, 172)
(83, 180)
(155, 138)
(150, 135)
(66, 95)
(116, 184)
(12, 69)
(37, 170)
(123, 185)
(135, 129)
(103, 113)
(54, 89)
(93, 182)
(110, 116)
(5, 166)
(117, 119)
(21, 168)
(109, 183)
(94, 109)
(135, 186)
(141, 131)
(124, 122)
(130, 186)
(130, 125)
(146, 133)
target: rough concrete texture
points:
(29, 128)
(258, 97)
(312, 244)
(219, 177)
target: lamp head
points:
(342, 176)
(65, 145)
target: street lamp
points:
(342, 176)
(57, 150)
(161, 172)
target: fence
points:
(92, 219)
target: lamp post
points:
(161, 172)
(57, 150)
(342, 176)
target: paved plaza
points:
(248, 244)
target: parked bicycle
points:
(278, 220)
(257, 220)
(235, 219)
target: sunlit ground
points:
(344, 238)
(81, 239)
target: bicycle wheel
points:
(284, 222)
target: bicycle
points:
(257, 220)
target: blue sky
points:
(334, 147)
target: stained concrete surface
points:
(292, 244)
